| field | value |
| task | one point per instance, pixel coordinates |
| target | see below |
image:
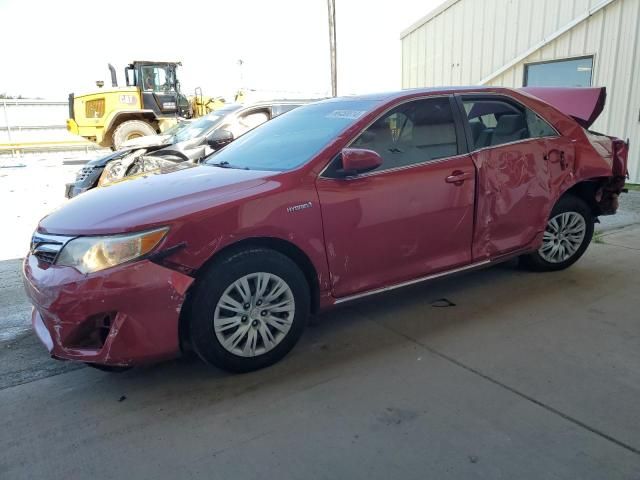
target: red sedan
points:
(329, 203)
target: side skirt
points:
(434, 276)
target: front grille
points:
(82, 175)
(94, 108)
(46, 257)
(47, 247)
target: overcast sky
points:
(51, 48)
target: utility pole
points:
(331, 4)
(240, 63)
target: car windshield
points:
(176, 128)
(293, 139)
(202, 125)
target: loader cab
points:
(159, 88)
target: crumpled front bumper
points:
(123, 316)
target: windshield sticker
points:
(350, 114)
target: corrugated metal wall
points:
(471, 39)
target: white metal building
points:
(513, 43)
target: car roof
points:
(283, 101)
(413, 92)
(229, 108)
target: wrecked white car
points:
(189, 142)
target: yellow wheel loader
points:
(150, 103)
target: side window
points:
(495, 122)
(539, 127)
(157, 79)
(414, 132)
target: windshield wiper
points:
(225, 164)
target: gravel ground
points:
(628, 213)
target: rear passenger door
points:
(411, 216)
(512, 149)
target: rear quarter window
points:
(497, 121)
(538, 127)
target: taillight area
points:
(620, 154)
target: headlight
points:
(91, 254)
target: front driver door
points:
(410, 217)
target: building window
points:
(573, 72)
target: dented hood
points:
(583, 104)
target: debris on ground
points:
(442, 302)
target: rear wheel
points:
(566, 238)
(129, 130)
(249, 310)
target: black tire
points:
(212, 284)
(568, 203)
(131, 129)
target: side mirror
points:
(359, 160)
(219, 138)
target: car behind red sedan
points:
(331, 202)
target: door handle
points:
(458, 177)
(561, 159)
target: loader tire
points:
(131, 129)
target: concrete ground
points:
(523, 376)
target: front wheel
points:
(249, 310)
(567, 235)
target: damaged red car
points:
(329, 203)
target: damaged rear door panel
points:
(514, 187)
(525, 165)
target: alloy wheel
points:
(563, 236)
